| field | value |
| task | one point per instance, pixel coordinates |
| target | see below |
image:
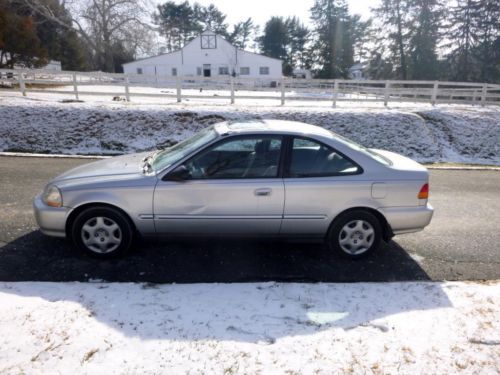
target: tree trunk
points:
(402, 56)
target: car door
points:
(319, 182)
(232, 187)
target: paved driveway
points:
(462, 242)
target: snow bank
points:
(427, 134)
(275, 328)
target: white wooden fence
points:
(77, 84)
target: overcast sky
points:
(262, 10)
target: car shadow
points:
(292, 295)
(34, 257)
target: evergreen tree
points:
(424, 37)
(473, 34)
(298, 37)
(487, 38)
(362, 35)
(393, 18)
(19, 43)
(178, 23)
(332, 38)
(242, 33)
(275, 40)
(210, 18)
(461, 33)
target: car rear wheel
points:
(102, 232)
(355, 234)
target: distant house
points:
(357, 71)
(53, 65)
(207, 55)
(301, 73)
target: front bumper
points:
(51, 220)
(408, 219)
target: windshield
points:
(374, 155)
(172, 154)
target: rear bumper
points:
(408, 219)
(51, 220)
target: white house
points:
(207, 55)
(357, 71)
(302, 73)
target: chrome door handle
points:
(262, 192)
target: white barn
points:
(207, 55)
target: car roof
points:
(270, 126)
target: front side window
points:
(174, 71)
(244, 71)
(309, 158)
(248, 157)
(139, 70)
(264, 70)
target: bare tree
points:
(101, 23)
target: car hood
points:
(116, 166)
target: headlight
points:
(52, 196)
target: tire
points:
(354, 234)
(102, 232)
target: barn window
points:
(223, 70)
(174, 71)
(244, 71)
(139, 70)
(264, 70)
(208, 42)
(198, 71)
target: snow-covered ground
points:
(445, 133)
(270, 328)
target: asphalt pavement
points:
(461, 243)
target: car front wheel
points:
(355, 234)
(102, 232)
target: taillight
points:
(424, 192)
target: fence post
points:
(75, 86)
(127, 89)
(335, 92)
(483, 94)
(386, 93)
(232, 89)
(282, 90)
(22, 85)
(434, 93)
(178, 86)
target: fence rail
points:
(128, 86)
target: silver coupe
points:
(247, 178)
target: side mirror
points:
(179, 174)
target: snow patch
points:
(414, 327)
(444, 134)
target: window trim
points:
(208, 36)
(224, 139)
(288, 156)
